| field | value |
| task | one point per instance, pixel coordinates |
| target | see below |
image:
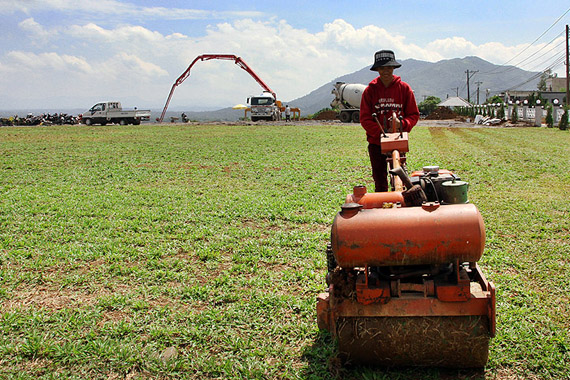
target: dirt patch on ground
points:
(43, 297)
(326, 115)
(442, 113)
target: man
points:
(287, 113)
(384, 96)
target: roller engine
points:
(404, 287)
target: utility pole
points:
(456, 91)
(567, 66)
(478, 84)
(469, 77)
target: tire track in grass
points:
(439, 137)
(453, 153)
(525, 151)
(524, 215)
(507, 158)
(533, 203)
(427, 146)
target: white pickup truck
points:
(112, 112)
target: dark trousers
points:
(379, 167)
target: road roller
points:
(403, 284)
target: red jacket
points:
(376, 98)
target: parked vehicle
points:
(347, 99)
(264, 107)
(112, 112)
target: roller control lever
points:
(375, 117)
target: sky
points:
(62, 54)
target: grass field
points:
(186, 251)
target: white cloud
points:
(192, 14)
(34, 29)
(136, 34)
(533, 58)
(460, 47)
(48, 61)
(93, 61)
(125, 64)
(114, 7)
(46, 79)
(95, 6)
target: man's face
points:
(386, 73)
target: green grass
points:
(117, 243)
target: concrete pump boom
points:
(206, 57)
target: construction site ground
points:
(459, 123)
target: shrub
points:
(429, 105)
(501, 112)
(549, 117)
(563, 124)
(494, 99)
(515, 114)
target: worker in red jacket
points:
(385, 95)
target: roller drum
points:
(449, 342)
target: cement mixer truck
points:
(347, 99)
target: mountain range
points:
(445, 78)
(442, 79)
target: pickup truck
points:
(112, 112)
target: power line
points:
(539, 50)
(515, 66)
(546, 53)
(558, 60)
(544, 62)
(533, 42)
(539, 37)
(555, 64)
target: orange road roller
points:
(404, 287)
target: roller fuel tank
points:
(431, 234)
